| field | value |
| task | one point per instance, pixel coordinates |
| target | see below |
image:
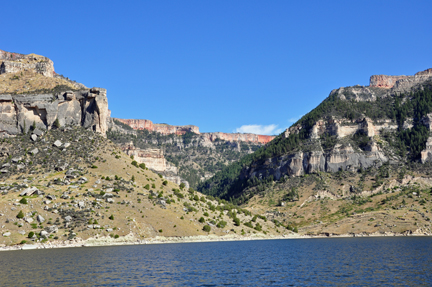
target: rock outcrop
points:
(387, 82)
(87, 108)
(14, 63)
(382, 86)
(160, 128)
(154, 159)
(20, 111)
(341, 157)
(181, 130)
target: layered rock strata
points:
(14, 63)
(341, 157)
(87, 108)
(181, 130)
(154, 159)
(383, 86)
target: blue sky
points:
(247, 66)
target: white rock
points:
(34, 151)
(28, 219)
(40, 218)
(57, 143)
(34, 137)
(6, 234)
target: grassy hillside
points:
(87, 188)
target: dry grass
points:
(28, 81)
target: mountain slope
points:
(355, 127)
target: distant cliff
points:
(181, 130)
(384, 81)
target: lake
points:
(379, 261)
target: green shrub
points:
(20, 214)
(202, 220)
(111, 217)
(23, 200)
(116, 236)
(236, 221)
(147, 186)
(206, 228)
(31, 234)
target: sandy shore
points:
(130, 239)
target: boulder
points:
(29, 191)
(34, 137)
(40, 218)
(57, 143)
(6, 234)
(68, 218)
(34, 151)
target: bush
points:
(23, 200)
(206, 228)
(111, 217)
(141, 165)
(236, 221)
(165, 182)
(147, 186)
(116, 236)
(202, 220)
(221, 224)
(20, 214)
(135, 163)
(31, 234)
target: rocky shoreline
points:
(130, 239)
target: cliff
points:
(353, 129)
(181, 130)
(14, 63)
(387, 82)
(31, 94)
(154, 159)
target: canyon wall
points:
(87, 108)
(160, 128)
(154, 159)
(19, 111)
(387, 82)
(181, 130)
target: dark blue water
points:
(401, 261)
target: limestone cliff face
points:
(160, 128)
(14, 63)
(382, 86)
(341, 157)
(238, 137)
(154, 159)
(87, 108)
(181, 130)
(387, 82)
